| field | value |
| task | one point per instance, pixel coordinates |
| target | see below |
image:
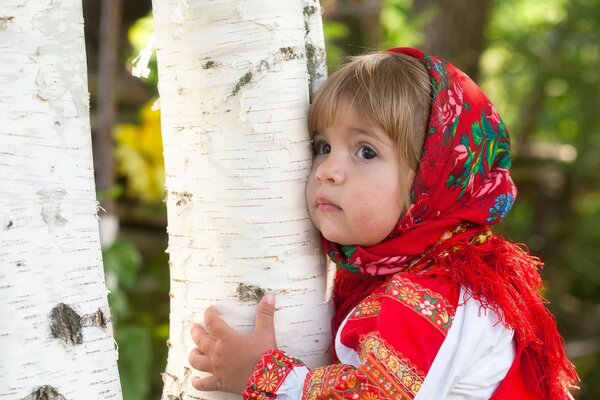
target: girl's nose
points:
(330, 170)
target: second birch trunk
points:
(55, 331)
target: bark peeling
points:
(45, 393)
(247, 292)
(65, 324)
(51, 203)
(96, 319)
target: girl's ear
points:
(406, 185)
(410, 178)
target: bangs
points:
(390, 90)
(345, 89)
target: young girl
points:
(410, 170)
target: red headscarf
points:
(461, 187)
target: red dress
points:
(395, 334)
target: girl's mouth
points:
(325, 205)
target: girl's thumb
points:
(265, 314)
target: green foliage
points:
(334, 31)
(400, 26)
(135, 355)
(542, 70)
(138, 283)
(122, 262)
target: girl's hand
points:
(228, 355)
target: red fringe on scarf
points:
(503, 277)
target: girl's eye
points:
(366, 153)
(321, 148)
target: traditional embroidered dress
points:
(442, 308)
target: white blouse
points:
(472, 361)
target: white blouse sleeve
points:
(474, 357)
(291, 388)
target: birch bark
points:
(234, 94)
(55, 330)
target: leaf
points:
(119, 304)
(124, 261)
(135, 355)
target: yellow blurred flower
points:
(139, 155)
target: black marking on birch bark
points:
(4, 22)
(9, 224)
(184, 198)
(210, 64)
(308, 12)
(66, 324)
(96, 319)
(246, 292)
(266, 64)
(289, 53)
(45, 393)
(314, 56)
(243, 81)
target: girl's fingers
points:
(208, 384)
(197, 332)
(215, 325)
(206, 344)
(199, 361)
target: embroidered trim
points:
(339, 381)
(428, 304)
(396, 376)
(270, 372)
(367, 308)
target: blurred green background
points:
(539, 62)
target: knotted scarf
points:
(462, 186)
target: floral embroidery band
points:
(272, 369)
(396, 376)
(338, 381)
(428, 304)
(367, 308)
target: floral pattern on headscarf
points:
(463, 176)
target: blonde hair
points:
(388, 89)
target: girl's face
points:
(356, 189)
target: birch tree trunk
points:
(55, 331)
(234, 92)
